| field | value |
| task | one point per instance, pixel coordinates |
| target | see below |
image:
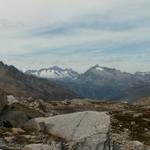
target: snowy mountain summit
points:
(97, 67)
(54, 73)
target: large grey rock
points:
(83, 130)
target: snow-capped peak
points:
(54, 73)
(99, 68)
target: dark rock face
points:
(15, 115)
(3, 100)
(18, 84)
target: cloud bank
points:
(75, 33)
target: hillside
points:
(18, 84)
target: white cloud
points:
(72, 26)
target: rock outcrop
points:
(42, 147)
(82, 130)
(130, 145)
(17, 115)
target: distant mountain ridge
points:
(112, 84)
(54, 73)
(108, 84)
(97, 82)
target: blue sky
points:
(76, 34)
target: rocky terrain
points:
(29, 124)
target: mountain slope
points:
(17, 83)
(110, 84)
(107, 84)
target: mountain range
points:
(54, 73)
(100, 82)
(16, 83)
(55, 83)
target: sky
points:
(75, 34)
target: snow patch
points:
(99, 68)
(55, 73)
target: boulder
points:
(82, 130)
(130, 145)
(16, 115)
(42, 147)
(2, 143)
(37, 147)
(11, 99)
(16, 131)
(135, 145)
(12, 118)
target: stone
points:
(130, 145)
(11, 99)
(37, 147)
(33, 126)
(95, 142)
(82, 130)
(13, 119)
(135, 145)
(9, 139)
(17, 131)
(56, 146)
(2, 143)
